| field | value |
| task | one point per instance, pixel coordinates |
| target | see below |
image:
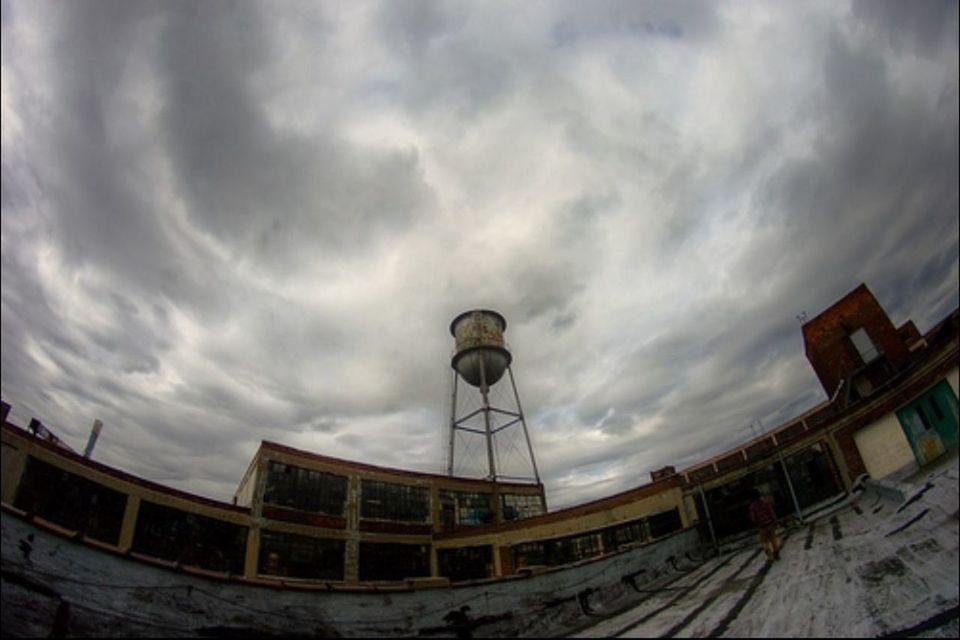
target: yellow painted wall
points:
(669, 499)
(884, 447)
(26, 447)
(11, 466)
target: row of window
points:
(175, 535)
(71, 501)
(590, 545)
(294, 556)
(320, 492)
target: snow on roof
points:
(883, 562)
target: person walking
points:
(764, 517)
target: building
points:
(891, 409)
(304, 521)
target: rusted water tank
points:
(478, 335)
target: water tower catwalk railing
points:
(481, 359)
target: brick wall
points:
(828, 347)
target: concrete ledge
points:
(533, 570)
(428, 582)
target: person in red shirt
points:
(764, 517)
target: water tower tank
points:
(478, 335)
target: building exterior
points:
(306, 521)
(892, 409)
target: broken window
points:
(528, 554)
(71, 501)
(812, 475)
(558, 550)
(622, 535)
(663, 523)
(389, 501)
(306, 489)
(467, 508)
(390, 561)
(189, 538)
(290, 555)
(466, 563)
(518, 506)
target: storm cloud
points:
(228, 223)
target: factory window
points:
(388, 561)
(529, 554)
(518, 507)
(171, 534)
(389, 501)
(467, 508)
(71, 501)
(760, 449)
(622, 535)
(558, 550)
(466, 563)
(812, 475)
(293, 556)
(663, 523)
(306, 489)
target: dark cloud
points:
(277, 196)
(227, 224)
(922, 27)
(620, 19)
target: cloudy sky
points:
(227, 222)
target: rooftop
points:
(881, 563)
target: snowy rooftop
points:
(884, 563)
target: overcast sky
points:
(228, 222)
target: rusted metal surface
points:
(481, 356)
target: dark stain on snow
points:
(909, 522)
(877, 570)
(837, 532)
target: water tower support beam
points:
(526, 434)
(453, 423)
(485, 392)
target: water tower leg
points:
(485, 392)
(453, 423)
(526, 434)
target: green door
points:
(930, 422)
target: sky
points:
(231, 222)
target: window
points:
(189, 538)
(387, 561)
(558, 550)
(305, 489)
(389, 501)
(936, 408)
(864, 345)
(466, 563)
(663, 523)
(923, 417)
(467, 508)
(289, 555)
(71, 501)
(622, 535)
(518, 507)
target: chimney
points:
(94, 433)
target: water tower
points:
(480, 359)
